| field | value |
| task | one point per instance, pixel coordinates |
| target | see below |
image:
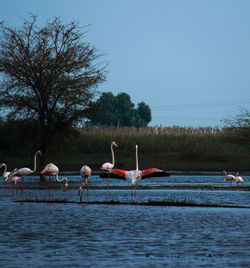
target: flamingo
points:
(7, 175)
(107, 166)
(5, 172)
(136, 175)
(228, 177)
(238, 178)
(25, 172)
(85, 172)
(53, 170)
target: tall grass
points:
(170, 148)
(163, 147)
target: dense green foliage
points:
(119, 111)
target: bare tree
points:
(240, 124)
(49, 74)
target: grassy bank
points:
(169, 148)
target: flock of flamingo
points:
(85, 172)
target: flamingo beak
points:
(44, 171)
(66, 187)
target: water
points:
(81, 235)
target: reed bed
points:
(169, 148)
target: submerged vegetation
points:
(170, 202)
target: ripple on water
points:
(72, 235)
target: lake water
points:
(87, 235)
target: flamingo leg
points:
(16, 192)
(49, 186)
(53, 198)
(132, 193)
(87, 191)
(82, 193)
(22, 193)
(135, 192)
(5, 188)
(12, 189)
(108, 188)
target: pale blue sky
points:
(189, 60)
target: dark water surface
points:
(81, 235)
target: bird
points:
(24, 172)
(85, 172)
(7, 176)
(238, 178)
(107, 166)
(228, 177)
(135, 175)
(5, 172)
(53, 170)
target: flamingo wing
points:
(51, 169)
(153, 172)
(115, 174)
(22, 172)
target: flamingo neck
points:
(113, 155)
(5, 168)
(35, 162)
(61, 180)
(136, 158)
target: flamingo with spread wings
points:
(135, 175)
(53, 171)
(85, 172)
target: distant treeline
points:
(169, 148)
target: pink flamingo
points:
(5, 174)
(228, 177)
(25, 172)
(53, 170)
(109, 166)
(85, 172)
(238, 178)
(136, 175)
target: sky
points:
(189, 60)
